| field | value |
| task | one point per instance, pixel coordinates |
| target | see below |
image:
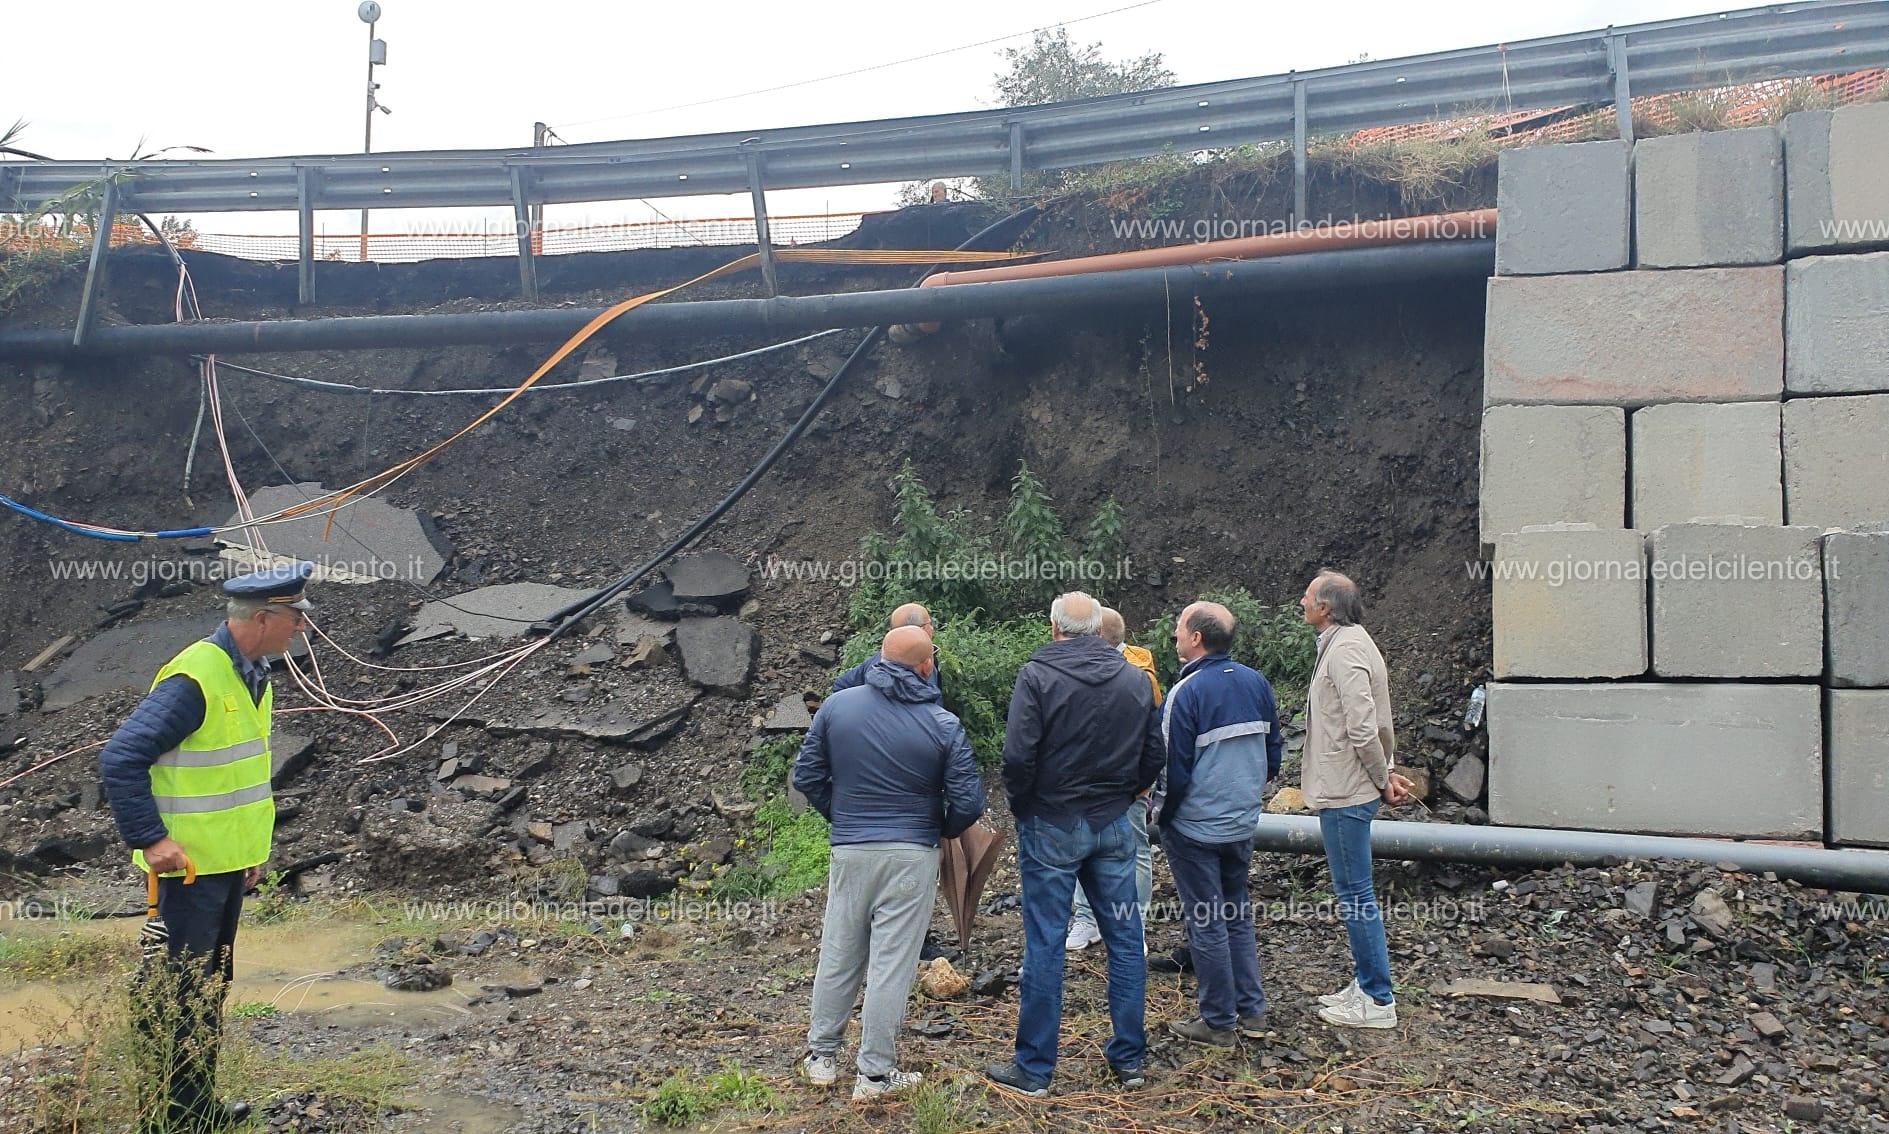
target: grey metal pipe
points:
(1862, 871)
(1141, 287)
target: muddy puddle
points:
(296, 968)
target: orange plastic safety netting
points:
(1746, 104)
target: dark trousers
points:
(180, 1005)
(1218, 910)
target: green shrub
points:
(769, 766)
(1272, 639)
(684, 1100)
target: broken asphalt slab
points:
(639, 720)
(504, 611)
(717, 653)
(366, 541)
(127, 657)
(712, 577)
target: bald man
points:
(911, 614)
(893, 773)
(1081, 742)
(1082, 928)
(1221, 727)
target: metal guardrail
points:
(1593, 67)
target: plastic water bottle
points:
(1473, 717)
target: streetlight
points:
(369, 11)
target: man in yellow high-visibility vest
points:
(188, 777)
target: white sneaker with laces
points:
(1332, 999)
(890, 1083)
(1360, 1012)
(1082, 934)
(820, 1070)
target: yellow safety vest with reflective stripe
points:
(213, 790)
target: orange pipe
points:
(1470, 225)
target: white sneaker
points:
(1333, 999)
(892, 1083)
(1082, 934)
(1360, 1012)
(820, 1070)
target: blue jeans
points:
(1144, 866)
(1347, 836)
(1218, 910)
(1053, 861)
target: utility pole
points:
(539, 135)
(369, 11)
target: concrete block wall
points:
(1691, 607)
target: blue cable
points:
(94, 533)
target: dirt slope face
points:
(1324, 431)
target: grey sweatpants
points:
(879, 899)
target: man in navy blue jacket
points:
(893, 772)
(1080, 743)
(911, 614)
(1221, 726)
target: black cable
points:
(565, 619)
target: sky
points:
(252, 78)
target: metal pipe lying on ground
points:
(1139, 287)
(1861, 871)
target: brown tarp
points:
(966, 863)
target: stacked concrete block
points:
(1563, 208)
(1710, 396)
(1859, 767)
(1636, 338)
(1856, 607)
(1837, 178)
(1570, 602)
(1836, 461)
(1690, 759)
(1551, 465)
(1707, 461)
(1709, 199)
(1734, 601)
(1836, 324)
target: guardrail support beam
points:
(304, 236)
(521, 220)
(761, 237)
(1016, 157)
(1298, 152)
(1623, 94)
(101, 244)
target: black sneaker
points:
(1128, 1078)
(1253, 1027)
(1011, 1078)
(1198, 1030)
(1181, 960)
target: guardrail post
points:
(304, 236)
(101, 243)
(521, 220)
(761, 237)
(1623, 95)
(1016, 157)
(1298, 152)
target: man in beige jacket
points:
(1350, 750)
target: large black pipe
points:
(1310, 272)
(1862, 871)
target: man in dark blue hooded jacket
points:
(1080, 743)
(893, 773)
